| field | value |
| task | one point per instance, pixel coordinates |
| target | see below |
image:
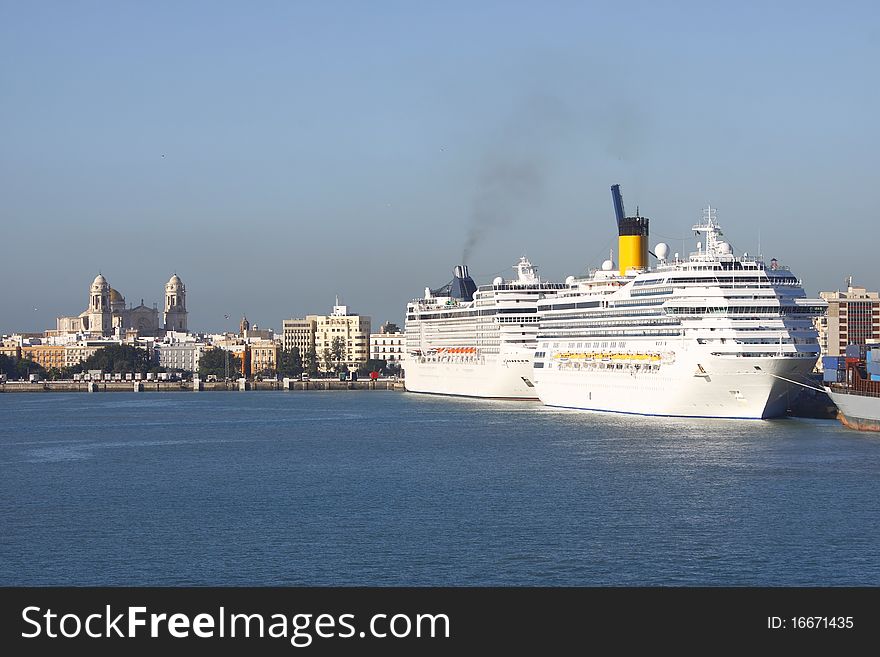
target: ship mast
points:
(714, 247)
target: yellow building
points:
(353, 329)
(263, 357)
(48, 356)
(10, 348)
(318, 332)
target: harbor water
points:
(388, 488)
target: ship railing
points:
(541, 285)
(844, 389)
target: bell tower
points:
(99, 315)
(175, 305)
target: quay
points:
(189, 386)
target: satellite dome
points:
(662, 251)
(608, 265)
(724, 248)
(497, 280)
(569, 280)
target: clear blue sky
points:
(275, 154)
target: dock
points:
(203, 386)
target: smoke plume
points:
(511, 179)
(540, 133)
(506, 188)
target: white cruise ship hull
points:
(490, 379)
(723, 388)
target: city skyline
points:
(278, 155)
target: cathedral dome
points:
(115, 296)
(100, 281)
(174, 281)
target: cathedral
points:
(107, 314)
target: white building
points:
(180, 355)
(388, 345)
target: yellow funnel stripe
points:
(633, 252)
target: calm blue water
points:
(385, 488)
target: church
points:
(108, 315)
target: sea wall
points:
(187, 386)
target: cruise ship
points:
(709, 335)
(476, 341)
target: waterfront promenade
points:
(187, 386)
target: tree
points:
(213, 361)
(338, 352)
(26, 367)
(67, 372)
(327, 357)
(8, 366)
(372, 365)
(289, 362)
(19, 368)
(310, 361)
(117, 358)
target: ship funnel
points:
(617, 198)
(462, 285)
(632, 236)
